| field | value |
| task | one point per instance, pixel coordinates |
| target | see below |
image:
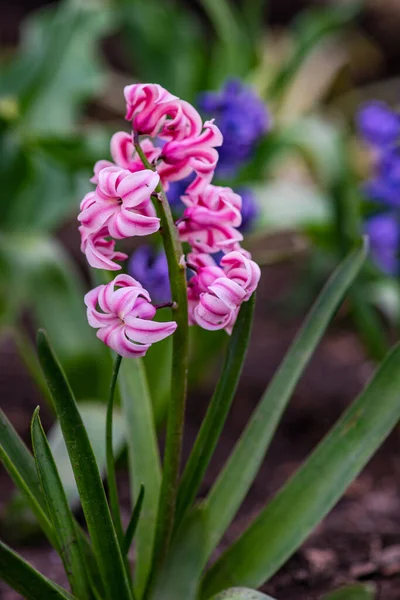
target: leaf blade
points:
(23, 578)
(20, 465)
(60, 514)
(307, 497)
(90, 486)
(217, 411)
(236, 478)
(359, 591)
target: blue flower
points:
(385, 185)
(250, 209)
(378, 124)
(242, 118)
(175, 191)
(150, 268)
(383, 231)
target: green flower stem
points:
(111, 476)
(176, 410)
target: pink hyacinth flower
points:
(121, 202)
(210, 220)
(216, 293)
(155, 112)
(242, 270)
(121, 311)
(100, 251)
(124, 155)
(193, 154)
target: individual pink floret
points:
(210, 219)
(122, 313)
(157, 113)
(193, 154)
(121, 202)
(216, 293)
(100, 251)
(124, 155)
(242, 270)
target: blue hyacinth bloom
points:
(378, 124)
(250, 209)
(177, 189)
(242, 118)
(385, 185)
(150, 267)
(383, 231)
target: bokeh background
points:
(310, 66)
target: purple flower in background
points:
(378, 124)
(242, 118)
(150, 267)
(250, 209)
(385, 185)
(383, 231)
(177, 189)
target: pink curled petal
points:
(135, 188)
(108, 180)
(115, 338)
(123, 300)
(87, 201)
(127, 224)
(122, 150)
(90, 299)
(214, 306)
(148, 332)
(96, 215)
(99, 165)
(230, 325)
(228, 291)
(209, 320)
(143, 309)
(206, 276)
(125, 280)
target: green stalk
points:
(176, 410)
(111, 476)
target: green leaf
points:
(180, 575)
(308, 496)
(310, 28)
(134, 520)
(61, 516)
(144, 460)
(359, 591)
(20, 464)
(241, 594)
(238, 474)
(147, 27)
(88, 480)
(233, 55)
(58, 65)
(217, 412)
(37, 271)
(25, 580)
(94, 419)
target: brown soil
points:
(360, 539)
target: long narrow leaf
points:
(24, 579)
(217, 412)
(359, 591)
(61, 516)
(134, 520)
(308, 496)
(88, 480)
(237, 476)
(179, 577)
(20, 464)
(144, 460)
